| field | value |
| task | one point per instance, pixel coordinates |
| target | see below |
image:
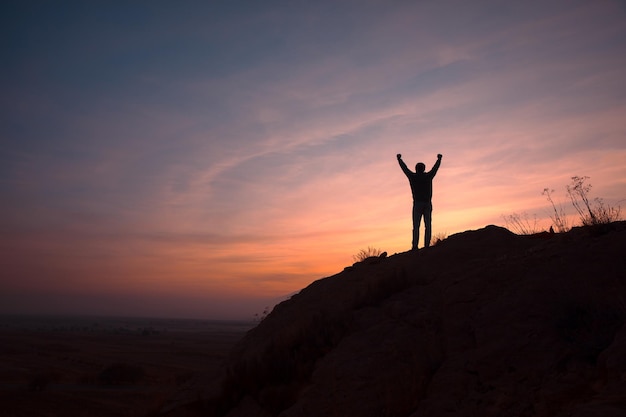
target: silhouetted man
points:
(422, 189)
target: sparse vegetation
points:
(521, 224)
(438, 238)
(319, 340)
(590, 213)
(559, 218)
(260, 317)
(366, 253)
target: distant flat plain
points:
(104, 366)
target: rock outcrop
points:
(486, 323)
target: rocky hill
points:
(485, 323)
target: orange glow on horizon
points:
(201, 178)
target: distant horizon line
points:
(91, 316)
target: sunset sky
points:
(209, 158)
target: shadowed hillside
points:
(486, 323)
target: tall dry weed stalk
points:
(590, 213)
(520, 224)
(559, 218)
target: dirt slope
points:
(486, 323)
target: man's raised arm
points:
(436, 166)
(406, 170)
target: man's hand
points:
(399, 156)
(439, 156)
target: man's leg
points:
(418, 211)
(428, 215)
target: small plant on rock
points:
(366, 253)
(260, 317)
(439, 237)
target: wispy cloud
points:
(222, 152)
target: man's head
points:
(420, 167)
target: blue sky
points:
(206, 158)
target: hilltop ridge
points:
(485, 323)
